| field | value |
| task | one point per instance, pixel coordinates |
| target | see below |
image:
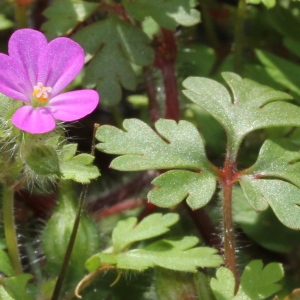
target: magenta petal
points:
(74, 105)
(33, 120)
(61, 62)
(13, 82)
(25, 47)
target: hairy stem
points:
(239, 37)
(9, 229)
(228, 227)
(165, 57)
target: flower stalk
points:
(9, 229)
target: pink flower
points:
(35, 72)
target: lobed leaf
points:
(111, 46)
(64, 15)
(176, 186)
(278, 159)
(264, 227)
(283, 197)
(175, 145)
(248, 106)
(256, 282)
(78, 168)
(259, 282)
(223, 285)
(179, 255)
(167, 254)
(127, 232)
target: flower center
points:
(40, 94)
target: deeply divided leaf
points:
(282, 196)
(274, 180)
(111, 46)
(173, 254)
(175, 145)
(167, 255)
(246, 107)
(264, 228)
(64, 15)
(127, 232)
(277, 159)
(257, 282)
(78, 168)
(178, 185)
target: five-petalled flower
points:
(35, 72)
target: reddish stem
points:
(165, 57)
(228, 177)
(170, 83)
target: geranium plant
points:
(196, 136)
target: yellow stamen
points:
(40, 93)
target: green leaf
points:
(256, 282)
(78, 168)
(281, 70)
(284, 20)
(177, 145)
(293, 45)
(246, 107)
(170, 254)
(189, 63)
(264, 227)
(64, 15)
(113, 45)
(278, 159)
(127, 232)
(167, 14)
(16, 286)
(283, 197)
(43, 160)
(175, 186)
(5, 265)
(223, 284)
